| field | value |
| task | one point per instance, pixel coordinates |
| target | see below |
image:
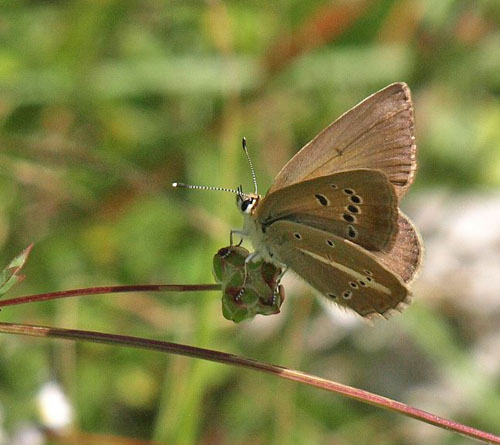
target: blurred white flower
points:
(55, 410)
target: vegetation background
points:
(104, 103)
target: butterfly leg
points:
(283, 271)
(240, 233)
(279, 292)
(253, 257)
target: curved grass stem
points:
(230, 359)
(110, 290)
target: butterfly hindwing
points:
(405, 255)
(378, 133)
(359, 205)
(342, 271)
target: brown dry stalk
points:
(230, 359)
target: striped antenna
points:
(204, 187)
(245, 149)
(238, 191)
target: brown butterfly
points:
(331, 215)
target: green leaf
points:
(10, 275)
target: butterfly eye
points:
(246, 205)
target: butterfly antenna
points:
(204, 187)
(245, 149)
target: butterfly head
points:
(246, 202)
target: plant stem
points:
(222, 357)
(110, 290)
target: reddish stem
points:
(221, 357)
(110, 290)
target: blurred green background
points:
(104, 103)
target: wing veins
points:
(341, 151)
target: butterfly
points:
(332, 213)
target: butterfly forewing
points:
(340, 270)
(378, 134)
(359, 205)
